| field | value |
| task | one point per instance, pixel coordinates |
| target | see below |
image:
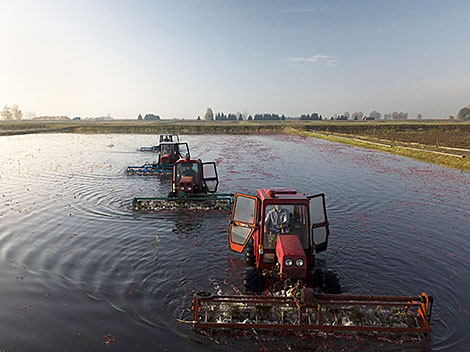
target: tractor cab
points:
(165, 140)
(192, 177)
(170, 152)
(169, 138)
(285, 227)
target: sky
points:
(176, 58)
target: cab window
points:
(167, 148)
(285, 219)
(187, 169)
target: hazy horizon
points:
(176, 58)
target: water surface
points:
(80, 271)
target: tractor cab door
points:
(183, 150)
(209, 177)
(319, 229)
(243, 221)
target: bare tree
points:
(17, 113)
(7, 114)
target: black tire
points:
(252, 280)
(327, 280)
(204, 295)
(172, 195)
(250, 253)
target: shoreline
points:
(438, 142)
(460, 161)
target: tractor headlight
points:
(299, 262)
(189, 188)
(288, 262)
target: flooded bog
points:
(81, 271)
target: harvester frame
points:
(299, 308)
(311, 311)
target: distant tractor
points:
(163, 138)
(194, 184)
(168, 154)
(281, 230)
(193, 177)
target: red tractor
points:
(281, 230)
(170, 152)
(193, 187)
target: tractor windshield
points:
(285, 219)
(188, 169)
(168, 149)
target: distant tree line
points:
(396, 116)
(220, 116)
(313, 116)
(464, 114)
(148, 117)
(374, 115)
(266, 117)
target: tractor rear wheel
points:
(250, 253)
(327, 280)
(252, 280)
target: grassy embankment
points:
(428, 141)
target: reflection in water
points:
(80, 269)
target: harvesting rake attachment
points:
(222, 201)
(149, 169)
(305, 310)
(149, 149)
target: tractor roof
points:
(187, 160)
(280, 194)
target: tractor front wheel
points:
(327, 280)
(250, 253)
(252, 280)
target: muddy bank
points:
(449, 134)
(458, 158)
(133, 127)
(444, 134)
